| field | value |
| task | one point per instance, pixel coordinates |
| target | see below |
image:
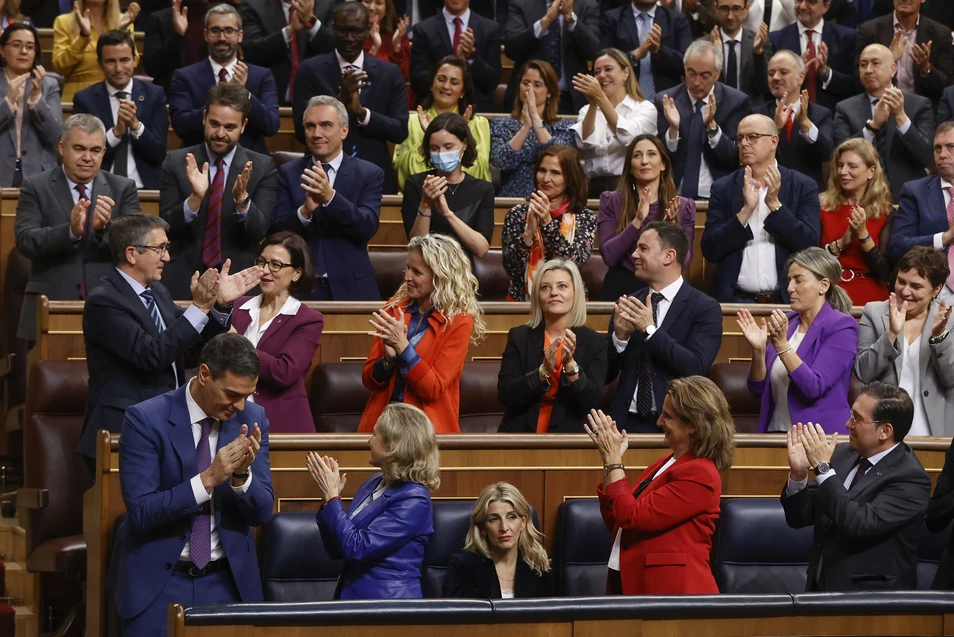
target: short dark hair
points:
(894, 406)
(671, 237)
(300, 260)
(352, 8)
(456, 126)
(132, 229)
(22, 26)
(230, 94)
(928, 263)
(230, 352)
(466, 96)
(573, 175)
(115, 37)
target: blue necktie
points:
(864, 10)
(646, 83)
(696, 138)
(553, 47)
(152, 307)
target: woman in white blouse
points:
(615, 116)
(285, 332)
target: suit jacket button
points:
(182, 537)
(168, 566)
(926, 392)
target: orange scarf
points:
(547, 400)
(538, 252)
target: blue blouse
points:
(409, 357)
(516, 166)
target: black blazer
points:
(519, 386)
(430, 8)
(945, 109)
(753, 71)
(163, 49)
(845, 12)
(432, 42)
(470, 575)
(940, 512)
(686, 344)
(797, 153)
(867, 538)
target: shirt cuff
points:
(111, 138)
(288, 38)
(907, 126)
(827, 80)
(333, 193)
(537, 29)
(867, 134)
(301, 217)
(136, 134)
(938, 240)
(572, 27)
(188, 212)
(73, 237)
(671, 144)
(198, 490)
(618, 344)
(409, 358)
(367, 117)
(242, 489)
(313, 31)
(794, 486)
(196, 317)
(715, 139)
(379, 372)
(821, 478)
(811, 136)
(221, 317)
(241, 214)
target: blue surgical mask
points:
(447, 161)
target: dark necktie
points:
(81, 189)
(863, 467)
(294, 56)
(152, 307)
(223, 75)
(553, 48)
(694, 142)
(732, 66)
(200, 541)
(458, 24)
(212, 242)
(644, 392)
(121, 158)
(767, 14)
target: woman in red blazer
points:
(663, 527)
(422, 334)
(285, 332)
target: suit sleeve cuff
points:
(242, 489)
(333, 193)
(618, 344)
(221, 317)
(938, 240)
(197, 318)
(201, 495)
(794, 486)
(188, 212)
(811, 136)
(715, 139)
(305, 222)
(537, 29)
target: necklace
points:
(453, 188)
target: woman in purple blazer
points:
(802, 360)
(285, 332)
(646, 193)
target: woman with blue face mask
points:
(446, 200)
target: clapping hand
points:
(922, 56)
(778, 330)
(642, 210)
(569, 347)
(254, 443)
(897, 314)
(672, 210)
(433, 195)
(392, 332)
(15, 91)
(240, 73)
(671, 112)
(199, 179)
(399, 32)
(78, 217)
(82, 20)
(797, 459)
(898, 44)
(180, 17)
(36, 89)
(588, 86)
(610, 442)
(760, 39)
(708, 115)
(132, 12)
(941, 319)
(756, 334)
(315, 182)
(783, 112)
(232, 286)
(240, 189)
(102, 212)
(326, 474)
(466, 46)
(204, 289)
(801, 117)
(818, 447)
(423, 118)
(549, 356)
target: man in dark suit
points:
(945, 109)
(190, 85)
(699, 120)
(565, 34)
(868, 499)
(925, 215)
(136, 337)
(280, 37)
(457, 30)
(853, 13)
(334, 201)
(373, 91)
(828, 50)
(900, 125)
(758, 216)
(673, 327)
(63, 216)
(217, 197)
(655, 37)
(745, 53)
(921, 47)
(174, 39)
(195, 478)
(806, 134)
(134, 112)
(496, 10)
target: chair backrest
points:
(492, 278)
(743, 405)
(480, 411)
(338, 397)
(581, 549)
(593, 273)
(283, 157)
(754, 551)
(295, 565)
(931, 549)
(388, 270)
(14, 289)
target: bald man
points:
(758, 216)
(900, 125)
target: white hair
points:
(327, 100)
(799, 62)
(85, 122)
(704, 46)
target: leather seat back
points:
(743, 405)
(283, 157)
(295, 565)
(931, 549)
(14, 289)
(389, 269)
(338, 397)
(754, 551)
(581, 549)
(492, 278)
(593, 273)
(480, 411)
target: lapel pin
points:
(142, 98)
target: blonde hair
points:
(455, 286)
(823, 265)
(530, 543)
(112, 18)
(699, 401)
(876, 199)
(412, 446)
(578, 311)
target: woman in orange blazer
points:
(663, 527)
(422, 334)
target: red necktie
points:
(212, 243)
(457, 24)
(811, 74)
(223, 75)
(950, 251)
(788, 127)
(81, 189)
(294, 57)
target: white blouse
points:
(779, 380)
(910, 381)
(614, 553)
(255, 331)
(605, 153)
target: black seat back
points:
(581, 549)
(931, 549)
(295, 565)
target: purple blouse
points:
(617, 248)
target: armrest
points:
(6, 365)
(33, 498)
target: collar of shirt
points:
(651, 13)
(628, 104)
(137, 287)
(335, 163)
(875, 459)
(343, 63)
(669, 292)
(897, 25)
(945, 184)
(228, 68)
(196, 413)
(464, 19)
(73, 184)
(795, 106)
(725, 37)
(227, 160)
(254, 305)
(112, 90)
(817, 28)
(704, 100)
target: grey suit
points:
(878, 359)
(59, 265)
(41, 130)
(753, 69)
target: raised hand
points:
(82, 20)
(226, 462)
(78, 217)
(778, 330)
(315, 182)
(588, 86)
(204, 289)
(468, 112)
(240, 189)
(755, 334)
(671, 113)
(569, 346)
(466, 46)
(818, 447)
(783, 112)
(715, 36)
(392, 331)
(199, 179)
(801, 117)
(240, 73)
(180, 17)
(941, 319)
(399, 32)
(708, 115)
(423, 118)
(898, 44)
(375, 32)
(642, 210)
(797, 459)
(750, 190)
(326, 474)
(232, 286)
(254, 443)
(773, 183)
(102, 212)
(603, 432)
(897, 313)
(15, 89)
(672, 210)
(760, 39)
(821, 57)
(433, 190)
(921, 54)
(36, 89)
(549, 356)
(132, 12)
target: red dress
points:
(858, 281)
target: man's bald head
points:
(876, 68)
(757, 124)
(759, 138)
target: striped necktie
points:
(153, 308)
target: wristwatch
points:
(244, 202)
(650, 330)
(822, 468)
(712, 132)
(572, 371)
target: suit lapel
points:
(374, 506)
(280, 323)
(135, 302)
(100, 187)
(936, 198)
(444, 34)
(533, 354)
(181, 435)
(101, 99)
(924, 351)
(885, 324)
(61, 192)
(748, 43)
(811, 335)
(11, 130)
(876, 472)
(628, 18)
(676, 308)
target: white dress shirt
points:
(196, 416)
(906, 67)
(759, 272)
(191, 214)
(783, 14)
(229, 69)
(779, 382)
(614, 552)
(131, 171)
(817, 38)
(332, 172)
(605, 152)
(705, 175)
(451, 27)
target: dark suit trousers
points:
(216, 588)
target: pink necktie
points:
(212, 242)
(457, 25)
(950, 249)
(811, 84)
(200, 540)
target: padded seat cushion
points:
(295, 565)
(59, 555)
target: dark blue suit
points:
(383, 546)
(385, 97)
(945, 108)
(149, 150)
(841, 42)
(189, 89)
(618, 30)
(797, 153)
(341, 230)
(921, 215)
(686, 344)
(795, 226)
(157, 460)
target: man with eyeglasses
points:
(867, 497)
(746, 52)
(373, 91)
(758, 216)
(138, 341)
(190, 85)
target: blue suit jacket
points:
(945, 108)
(189, 89)
(150, 149)
(618, 30)
(157, 460)
(385, 97)
(343, 228)
(383, 546)
(798, 154)
(686, 344)
(921, 215)
(841, 42)
(795, 226)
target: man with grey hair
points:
(190, 85)
(699, 119)
(334, 201)
(63, 217)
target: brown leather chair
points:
(389, 269)
(283, 157)
(492, 278)
(480, 412)
(13, 354)
(593, 273)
